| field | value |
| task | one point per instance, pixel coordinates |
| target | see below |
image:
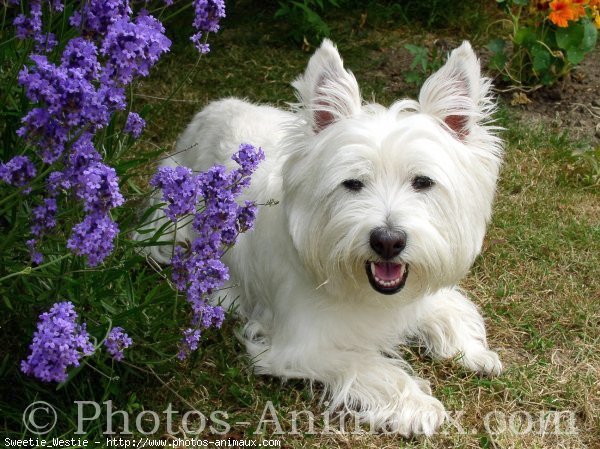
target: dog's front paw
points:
(482, 361)
(416, 413)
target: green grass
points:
(537, 279)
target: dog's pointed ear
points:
(327, 91)
(457, 94)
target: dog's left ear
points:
(327, 91)
(457, 94)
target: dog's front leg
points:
(383, 395)
(450, 326)
(375, 389)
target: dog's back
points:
(211, 138)
(216, 132)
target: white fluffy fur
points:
(300, 274)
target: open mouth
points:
(387, 277)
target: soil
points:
(573, 104)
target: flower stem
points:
(28, 270)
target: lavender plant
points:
(58, 343)
(198, 270)
(116, 342)
(63, 187)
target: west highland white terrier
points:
(381, 213)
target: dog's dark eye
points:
(353, 184)
(421, 183)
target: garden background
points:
(537, 279)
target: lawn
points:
(537, 279)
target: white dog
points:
(381, 212)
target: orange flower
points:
(561, 13)
(579, 8)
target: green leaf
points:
(541, 58)
(108, 307)
(498, 61)
(7, 303)
(575, 55)
(496, 45)
(412, 77)
(569, 37)
(578, 39)
(525, 36)
(520, 2)
(548, 78)
(590, 35)
(420, 56)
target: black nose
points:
(388, 243)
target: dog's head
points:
(391, 200)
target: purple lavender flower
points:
(45, 132)
(45, 43)
(211, 316)
(219, 192)
(96, 16)
(199, 270)
(179, 188)
(58, 343)
(93, 237)
(98, 187)
(135, 124)
(208, 14)
(248, 157)
(189, 343)
(44, 217)
(56, 182)
(76, 97)
(83, 156)
(116, 342)
(71, 103)
(205, 275)
(81, 54)
(246, 215)
(132, 48)
(28, 27)
(36, 256)
(31, 26)
(18, 171)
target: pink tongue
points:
(387, 271)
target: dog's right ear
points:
(457, 93)
(327, 91)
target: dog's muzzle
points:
(387, 277)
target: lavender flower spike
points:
(18, 171)
(58, 343)
(208, 14)
(116, 342)
(93, 237)
(135, 124)
(218, 220)
(179, 188)
(189, 343)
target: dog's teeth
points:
(385, 283)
